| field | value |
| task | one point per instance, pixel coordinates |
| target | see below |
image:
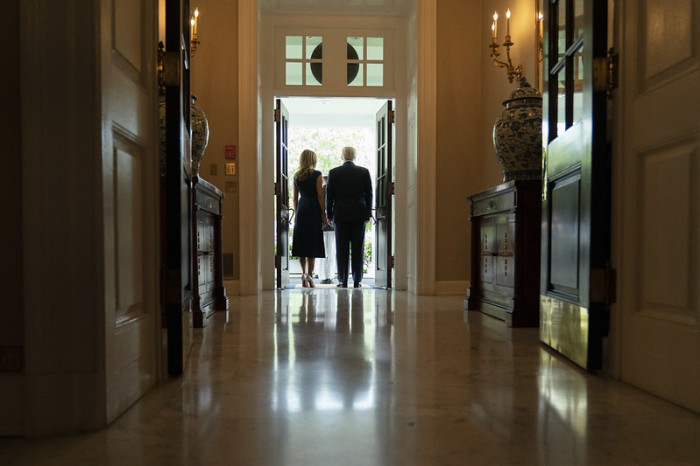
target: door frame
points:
(415, 273)
(284, 212)
(384, 189)
(269, 147)
(279, 100)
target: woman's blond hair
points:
(307, 164)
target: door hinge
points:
(277, 115)
(392, 117)
(278, 261)
(603, 285)
(391, 262)
(276, 189)
(391, 189)
(605, 73)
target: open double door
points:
(383, 195)
(575, 262)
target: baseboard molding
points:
(451, 288)
(233, 287)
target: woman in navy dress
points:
(310, 207)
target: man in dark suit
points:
(349, 207)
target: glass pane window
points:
(314, 74)
(359, 79)
(356, 48)
(375, 74)
(293, 74)
(577, 103)
(314, 68)
(375, 48)
(365, 61)
(314, 47)
(577, 19)
(303, 60)
(562, 43)
(561, 102)
(294, 48)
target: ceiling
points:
(336, 111)
(337, 7)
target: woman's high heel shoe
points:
(304, 284)
(310, 282)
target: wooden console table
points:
(209, 294)
(505, 252)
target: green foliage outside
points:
(328, 144)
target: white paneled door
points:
(658, 198)
(130, 182)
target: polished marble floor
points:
(372, 377)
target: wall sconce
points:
(194, 41)
(512, 71)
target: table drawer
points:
(492, 204)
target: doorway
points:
(324, 125)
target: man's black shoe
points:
(342, 285)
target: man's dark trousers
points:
(350, 236)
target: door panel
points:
(129, 169)
(384, 258)
(283, 210)
(659, 199)
(576, 205)
(565, 240)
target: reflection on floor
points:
(295, 282)
(374, 377)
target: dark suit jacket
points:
(349, 194)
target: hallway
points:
(375, 377)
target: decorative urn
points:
(517, 134)
(199, 135)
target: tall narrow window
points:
(294, 52)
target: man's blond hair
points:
(348, 153)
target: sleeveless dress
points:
(308, 232)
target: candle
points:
(494, 26)
(508, 22)
(541, 18)
(194, 22)
(192, 33)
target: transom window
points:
(363, 58)
(365, 61)
(303, 60)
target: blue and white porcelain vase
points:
(199, 138)
(517, 134)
